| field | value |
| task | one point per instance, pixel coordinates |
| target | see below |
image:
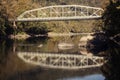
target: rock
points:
(40, 45)
(86, 38)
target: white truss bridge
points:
(61, 12)
(61, 61)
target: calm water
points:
(14, 68)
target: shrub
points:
(38, 30)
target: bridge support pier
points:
(14, 27)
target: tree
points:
(111, 18)
(37, 29)
(4, 22)
(11, 9)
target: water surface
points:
(14, 68)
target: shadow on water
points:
(111, 69)
(101, 45)
(35, 40)
(6, 46)
(98, 45)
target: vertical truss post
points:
(57, 11)
(50, 13)
(14, 24)
(75, 10)
(80, 11)
(62, 11)
(87, 12)
(37, 13)
(100, 12)
(14, 27)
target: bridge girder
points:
(61, 12)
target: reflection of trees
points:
(98, 44)
(112, 69)
(9, 63)
(5, 48)
(50, 44)
(111, 20)
(37, 40)
(32, 43)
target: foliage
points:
(111, 18)
(5, 25)
(111, 26)
(11, 9)
(69, 2)
(99, 25)
(37, 30)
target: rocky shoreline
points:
(51, 34)
(19, 36)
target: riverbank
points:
(19, 36)
(50, 34)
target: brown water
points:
(14, 68)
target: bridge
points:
(61, 12)
(61, 61)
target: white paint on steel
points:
(61, 61)
(61, 12)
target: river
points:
(15, 66)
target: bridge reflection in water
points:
(61, 61)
